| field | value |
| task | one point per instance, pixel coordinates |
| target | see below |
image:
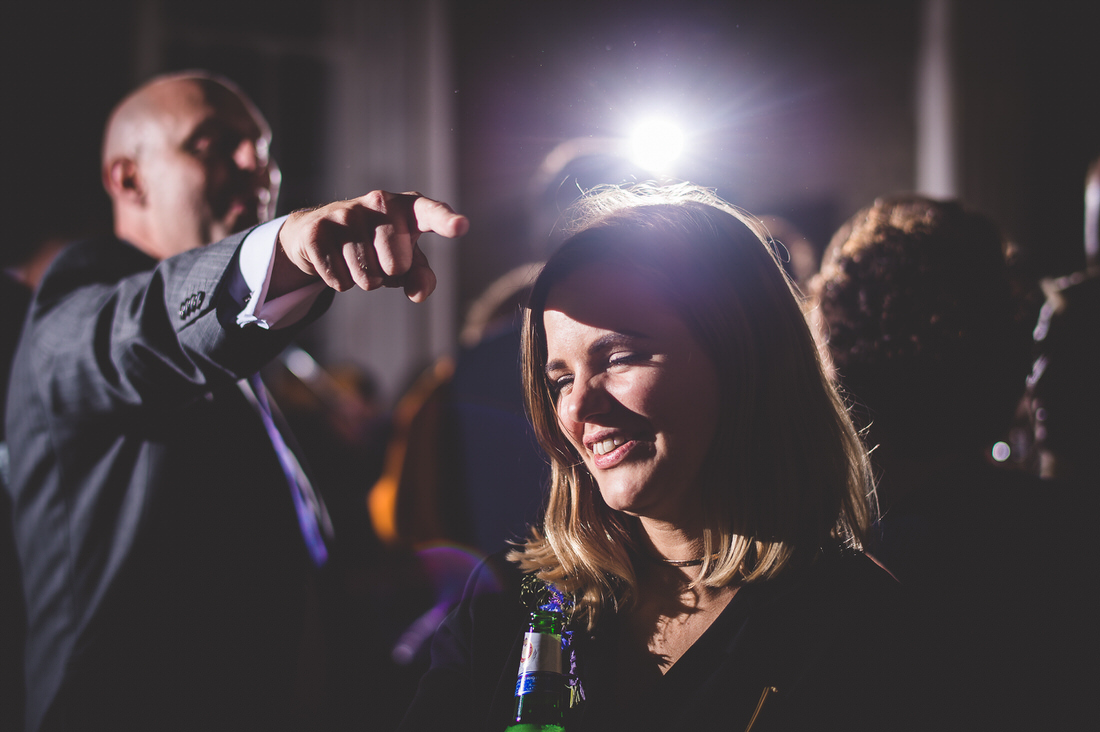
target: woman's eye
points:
(624, 359)
(559, 384)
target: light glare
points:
(656, 144)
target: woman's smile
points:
(607, 445)
(610, 451)
(636, 395)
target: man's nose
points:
(247, 157)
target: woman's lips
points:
(617, 450)
(605, 446)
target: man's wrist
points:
(285, 275)
(277, 297)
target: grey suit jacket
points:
(164, 573)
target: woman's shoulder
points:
(855, 590)
(854, 571)
(843, 601)
(838, 574)
(833, 637)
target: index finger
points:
(438, 217)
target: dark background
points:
(797, 108)
(801, 109)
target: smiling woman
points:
(782, 472)
(708, 499)
(637, 397)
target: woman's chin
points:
(630, 504)
(639, 506)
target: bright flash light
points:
(655, 144)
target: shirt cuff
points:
(257, 259)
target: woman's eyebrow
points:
(556, 365)
(601, 344)
(616, 338)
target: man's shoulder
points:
(91, 261)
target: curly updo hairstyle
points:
(916, 302)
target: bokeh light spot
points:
(656, 144)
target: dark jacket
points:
(826, 641)
(164, 572)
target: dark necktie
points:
(312, 515)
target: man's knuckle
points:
(375, 200)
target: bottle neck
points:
(546, 622)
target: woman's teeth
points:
(605, 446)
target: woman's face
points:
(636, 395)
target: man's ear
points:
(123, 182)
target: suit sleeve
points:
(149, 340)
(126, 426)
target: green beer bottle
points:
(541, 690)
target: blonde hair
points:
(786, 473)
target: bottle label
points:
(539, 662)
(537, 681)
(541, 652)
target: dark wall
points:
(797, 109)
(68, 63)
(274, 51)
(801, 109)
(65, 65)
(1029, 109)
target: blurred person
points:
(916, 292)
(502, 469)
(339, 422)
(708, 497)
(1063, 395)
(464, 465)
(915, 305)
(169, 539)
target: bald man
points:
(185, 161)
(168, 540)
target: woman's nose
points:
(585, 401)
